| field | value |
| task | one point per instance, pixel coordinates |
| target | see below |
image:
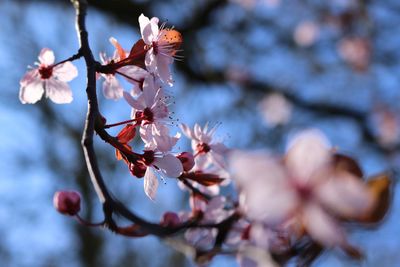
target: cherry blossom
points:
(161, 51)
(111, 86)
(156, 136)
(165, 165)
(213, 212)
(303, 187)
(149, 107)
(48, 78)
(207, 151)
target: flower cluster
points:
(284, 204)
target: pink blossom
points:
(111, 86)
(151, 112)
(213, 212)
(156, 137)
(207, 151)
(161, 52)
(304, 187)
(275, 109)
(48, 78)
(165, 165)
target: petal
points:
(46, 57)
(201, 162)
(247, 166)
(198, 132)
(31, 88)
(151, 61)
(307, 153)
(219, 148)
(148, 29)
(150, 183)
(143, 22)
(322, 227)
(149, 91)
(134, 72)
(268, 201)
(58, 91)
(217, 159)
(137, 105)
(163, 71)
(65, 72)
(112, 88)
(170, 165)
(146, 133)
(186, 130)
(345, 195)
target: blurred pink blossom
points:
(275, 109)
(303, 187)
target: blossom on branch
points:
(48, 78)
(162, 46)
(165, 165)
(207, 151)
(304, 187)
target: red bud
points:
(67, 202)
(170, 219)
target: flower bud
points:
(187, 160)
(67, 202)
(170, 219)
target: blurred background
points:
(263, 68)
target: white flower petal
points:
(65, 72)
(46, 57)
(31, 88)
(134, 72)
(345, 195)
(186, 130)
(201, 161)
(217, 159)
(149, 29)
(269, 202)
(137, 105)
(197, 132)
(150, 183)
(322, 227)
(219, 148)
(149, 91)
(151, 61)
(58, 91)
(111, 88)
(163, 71)
(143, 22)
(307, 153)
(170, 165)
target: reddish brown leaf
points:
(347, 164)
(206, 179)
(381, 189)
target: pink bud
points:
(67, 202)
(170, 219)
(187, 160)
